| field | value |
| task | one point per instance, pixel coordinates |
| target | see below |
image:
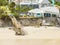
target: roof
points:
(51, 9)
(27, 3)
(35, 2)
(45, 9)
(36, 11)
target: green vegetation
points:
(12, 8)
(4, 11)
(50, 1)
(3, 2)
(3, 8)
(25, 9)
(56, 3)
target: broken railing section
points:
(17, 25)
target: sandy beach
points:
(33, 36)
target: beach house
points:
(35, 3)
(47, 11)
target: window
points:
(53, 15)
(35, 6)
(47, 15)
(29, 13)
(38, 13)
(43, 5)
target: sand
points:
(33, 36)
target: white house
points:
(49, 11)
(49, 14)
(35, 3)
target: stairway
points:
(16, 24)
